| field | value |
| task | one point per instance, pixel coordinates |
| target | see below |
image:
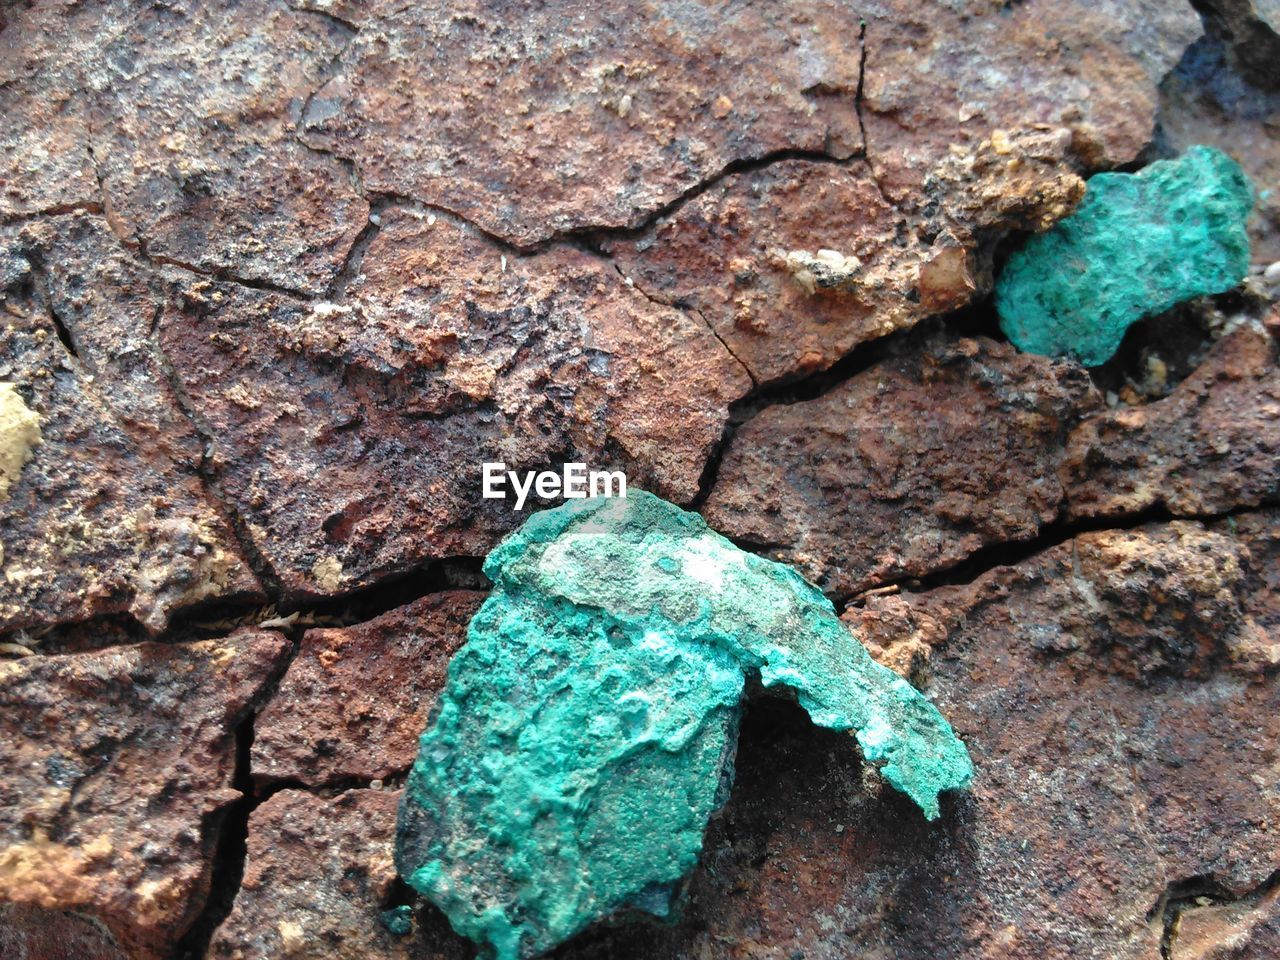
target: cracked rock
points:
(1230, 931)
(1212, 445)
(350, 435)
(943, 76)
(1205, 101)
(907, 467)
(114, 768)
(533, 121)
(198, 153)
(104, 517)
(318, 878)
(741, 253)
(356, 699)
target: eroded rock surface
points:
(533, 121)
(907, 467)
(114, 768)
(356, 699)
(1210, 446)
(1230, 931)
(108, 513)
(198, 153)
(350, 435)
(742, 254)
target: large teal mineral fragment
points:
(586, 731)
(1138, 244)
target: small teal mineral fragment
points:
(587, 728)
(1138, 244)
(398, 920)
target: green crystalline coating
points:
(1138, 244)
(586, 731)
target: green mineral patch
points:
(587, 728)
(1138, 244)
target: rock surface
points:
(356, 699)
(318, 877)
(349, 435)
(586, 732)
(1231, 931)
(114, 768)
(1210, 446)
(907, 467)
(735, 254)
(108, 513)
(1138, 244)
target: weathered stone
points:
(1246, 930)
(945, 76)
(356, 698)
(114, 766)
(318, 876)
(1212, 445)
(45, 160)
(198, 152)
(905, 468)
(1138, 244)
(533, 121)
(586, 731)
(28, 933)
(101, 519)
(1206, 101)
(736, 254)
(1251, 28)
(350, 435)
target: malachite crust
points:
(587, 728)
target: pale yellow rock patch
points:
(19, 435)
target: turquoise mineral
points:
(1138, 244)
(587, 728)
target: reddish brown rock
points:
(318, 877)
(1206, 101)
(356, 699)
(114, 767)
(28, 933)
(98, 517)
(45, 159)
(198, 153)
(351, 435)
(796, 263)
(1212, 445)
(905, 468)
(1248, 930)
(530, 121)
(945, 77)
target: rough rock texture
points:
(1252, 30)
(587, 729)
(735, 254)
(114, 766)
(1139, 244)
(907, 467)
(356, 699)
(198, 154)
(529, 121)
(940, 76)
(318, 878)
(1205, 101)
(1231, 931)
(350, 435)
(29, 933)
(109, 514)
(1212, 445)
